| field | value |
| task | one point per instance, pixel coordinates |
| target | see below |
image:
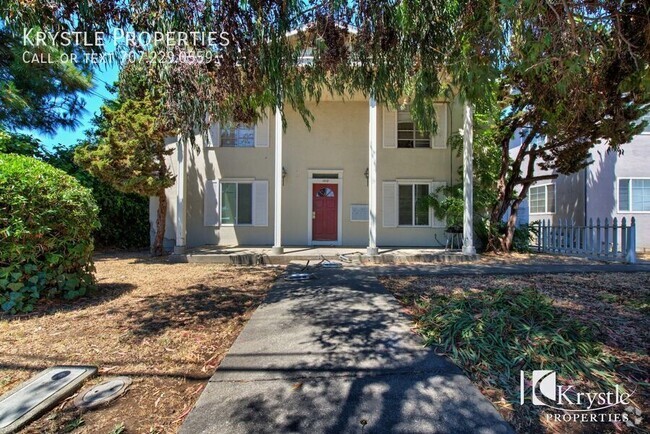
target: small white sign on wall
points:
(359, 213)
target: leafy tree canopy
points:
(38, 95)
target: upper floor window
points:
(634, 194)
(238, 135)
(413, 210)
(306, 57)
(542, 199)
(408, 136)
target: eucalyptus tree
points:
(573, 71)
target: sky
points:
(102, 75)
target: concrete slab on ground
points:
(263, 255)
(326, 355)
(40, 393)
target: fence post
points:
(599, 246)
(631, 245)
(606, 236)
(615, 236)
(590, 237)
(540, 225)
(623, 238)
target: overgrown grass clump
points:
(493, 335)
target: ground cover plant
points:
(167, 326)
(592, 329)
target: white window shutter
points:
(214, 136)
(389, 204)
(262, 132)
(260, 203)
(439, 140)
(390, 128)
(211, 204)
(433, 190)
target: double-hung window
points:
(237, 135)
(408, 136)
(633, 194)
(413, 209)
(236, 203)
(541, 199)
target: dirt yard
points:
(167, 326)
(614, 306)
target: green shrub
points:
(522, 240)
(124, 217)
(46, 220)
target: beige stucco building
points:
(358, 173)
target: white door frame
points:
(310, 201)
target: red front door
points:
(325, 212)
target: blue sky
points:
(103, 74)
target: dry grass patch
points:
(533, 259)
(166, 325)
(588, 327)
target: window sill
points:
(414, 226)
(235, 147)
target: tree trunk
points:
(157, 249)
(510, 177)
(511, 225)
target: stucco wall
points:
(337, 140)
(600, 189)
(569, 195)
(601, 183)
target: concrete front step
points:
(267, 258)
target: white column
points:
(181, 195)
(468, 172)
(277, 233)
(372, 179)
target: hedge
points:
(46, 246)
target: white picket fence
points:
(610, 240)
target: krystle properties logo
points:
(574, 405)
(544, 383)
(546, 392)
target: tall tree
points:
(130, 155)
(575, 73)
(39, 93)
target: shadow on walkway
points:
(336, 355)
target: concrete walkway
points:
(336, 355)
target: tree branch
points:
(537, 178)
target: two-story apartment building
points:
(355, 178)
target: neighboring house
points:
(612, 186)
